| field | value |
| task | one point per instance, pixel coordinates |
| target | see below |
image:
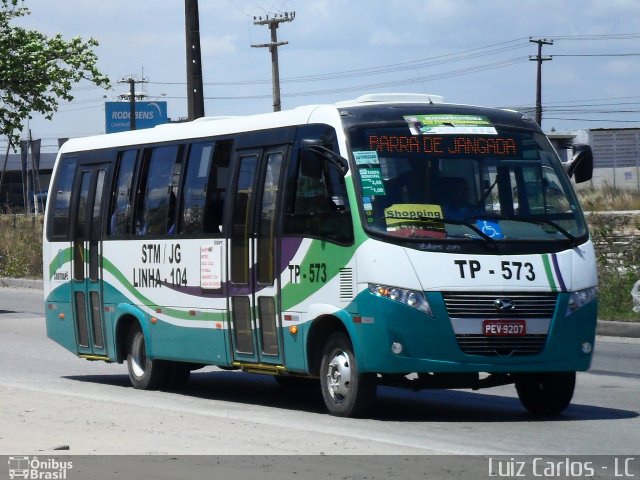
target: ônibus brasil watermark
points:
(34, 468)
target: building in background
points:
(616, 154)
(12, 189)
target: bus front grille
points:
(501, 346)
(487, 304)
(479, 306)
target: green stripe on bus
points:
(63, 256)
(170, 312)
(549, 272)
(336, 257)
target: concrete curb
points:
(22, 283)
(605, 327)
(618, 329)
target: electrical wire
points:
(388, 68)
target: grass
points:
(20, 246)
(617, 243)
(608, 198)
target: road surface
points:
(50, 399)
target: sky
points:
(469, 51)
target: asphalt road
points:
(49, 398)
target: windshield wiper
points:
(573, 241)
(488, 241)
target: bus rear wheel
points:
(546, 393)
(346, 391)
(144, 373)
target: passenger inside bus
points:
(457, 205)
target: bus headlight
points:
(412, 298)
(580, 298)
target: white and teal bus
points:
(389, 240)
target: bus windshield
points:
(500, 187)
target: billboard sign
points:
(148, 114)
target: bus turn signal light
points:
(293, 329)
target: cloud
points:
(619, 68)
(320, 8)
(442, 9)
(218, 45)
(387, 38)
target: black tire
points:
(546, 393)
(346, 391)
(144, 373)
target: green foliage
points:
(20, 246)
(617, 243)
(36, 71)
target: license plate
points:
(504, 328)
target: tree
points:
(37, 72)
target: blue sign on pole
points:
(148, 114)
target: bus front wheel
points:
(346, 391)
(144, 373)
(546, 393)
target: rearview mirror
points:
(316, 146)
(581, 165)
(311, 162)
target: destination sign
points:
(446, 145)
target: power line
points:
(410, 65)
(239, 9)
(428, 77)
(605, 36)
(477, 52)
(559, 102)
(594, 120)
(394, 83)
(393, 67)
(597, 55)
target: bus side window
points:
(194, 191)
(217, 190)
(156, 199)
(62, 190)
(319, 207)
(204, 190)
(120, 213)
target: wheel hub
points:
(339, 376)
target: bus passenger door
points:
(87, 264)
(253, 250)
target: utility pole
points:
(132, 80)
(273, 24)
(34, 146)
(4, 167)
(195, 96)
(539, 58)
(24, 155)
